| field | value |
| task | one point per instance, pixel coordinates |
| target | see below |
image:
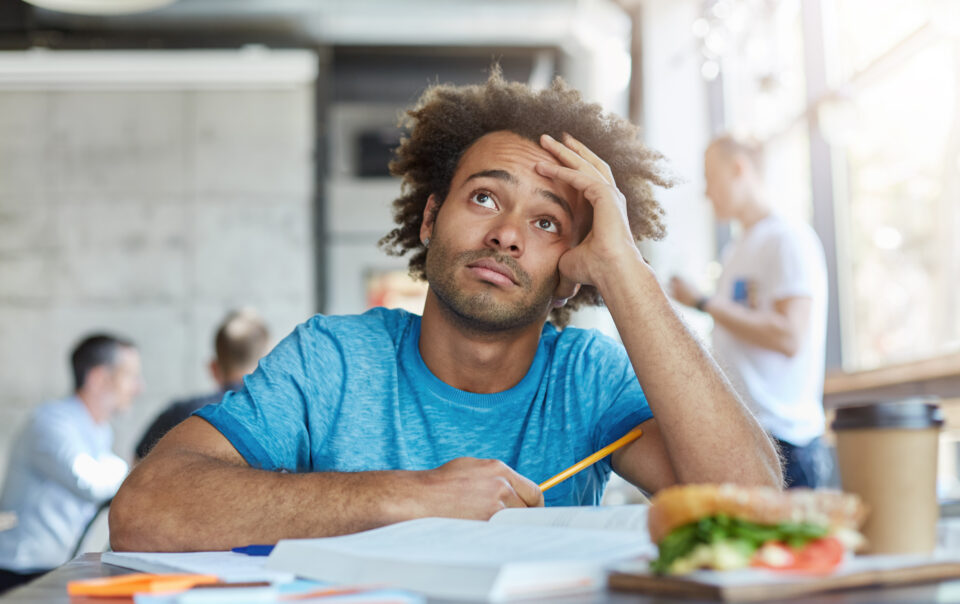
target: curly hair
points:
(448, 119)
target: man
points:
(241, 340)
(770, 310)
(61, 467)
(354, 422)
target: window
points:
(897, 151)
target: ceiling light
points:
(101, 7)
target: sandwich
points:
(725, 527)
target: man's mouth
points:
(489, 269)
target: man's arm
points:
(59, 453)
(704, 432)
(781, 329)
(196, 492)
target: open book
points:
(519, 553)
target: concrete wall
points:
(148, 205)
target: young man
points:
(241, 340)
(388, 416)
(61, 466)
(770, 310)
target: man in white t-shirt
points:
(769, 311)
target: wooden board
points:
(757, 585)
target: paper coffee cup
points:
(887, 454)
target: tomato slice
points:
(819, 557)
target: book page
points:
(614, 517)
(229, 566)
(446, 541)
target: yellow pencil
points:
(626, 439)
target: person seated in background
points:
(517, 205)
(769, 310)
(61, 467)
(241, 340)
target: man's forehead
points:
(504, 146)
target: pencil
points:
(626, 439)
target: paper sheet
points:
(473, 542)
(620, 517)
(229, 566)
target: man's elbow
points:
(136, 517)
(125, 518)
(788, 343)
(789, 347)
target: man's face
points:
(496, 241)
(720, 177)
(125, 381)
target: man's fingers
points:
(528, 490)
(584, 151)
(575, 178)
(568, 156)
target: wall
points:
(147, 194)
(675, 110)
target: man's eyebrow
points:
(511, 179)
(498, 174)
(557, 200)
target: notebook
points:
(519, 553)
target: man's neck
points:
(473, 361)
(88, 402)
(752, 212)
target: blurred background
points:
(164, 161)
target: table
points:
(51, 589)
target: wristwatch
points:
(701, 304)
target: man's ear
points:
(98, 377)
(739, 165)
(429, 218)
(216, 372)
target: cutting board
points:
(755, 585)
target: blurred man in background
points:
(61, 466)
(769, 311)
(241, 340)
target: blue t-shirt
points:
(352, 394)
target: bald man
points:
(769, 310)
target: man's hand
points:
(473, 488)
(684, 292)
(610, 240)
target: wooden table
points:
(51, 589)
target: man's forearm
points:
(194, 502)
(711, 436)
(766, 329)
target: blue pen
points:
(254, 550)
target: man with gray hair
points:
(61, 467)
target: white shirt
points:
(60, 469)
(774, 260)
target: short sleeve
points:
(792, 263)
(267, 419)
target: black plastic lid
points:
(911, 414)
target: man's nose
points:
(507, 235)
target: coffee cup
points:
(887, 454)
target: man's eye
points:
(547, 225)
(483, 199)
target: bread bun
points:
(676, 506)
